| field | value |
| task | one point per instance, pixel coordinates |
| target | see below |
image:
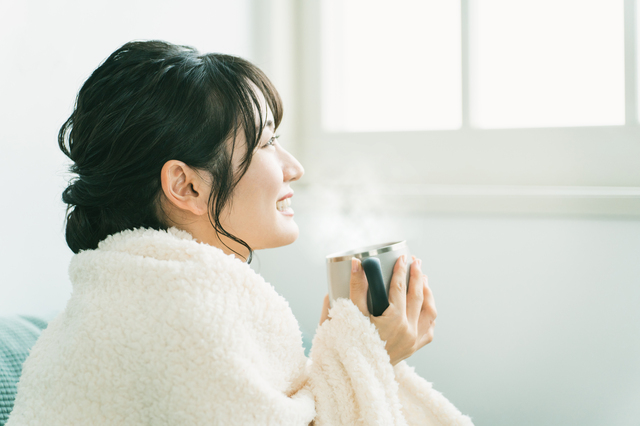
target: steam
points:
(343, 217)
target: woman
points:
(179, 178)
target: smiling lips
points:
(284, 205)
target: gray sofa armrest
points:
(17, 336)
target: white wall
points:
(47, 51)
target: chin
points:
(290, 238)
(284, 238)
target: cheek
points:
(253, 215)
(264, 182)
(258, 190)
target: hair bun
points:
(81, 230)
(85, 216)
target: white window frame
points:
(564, 170)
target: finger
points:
(325, 310)
(358, 286)
(428, 314)
(415, 295)
(428, 302)
(427, 337)
(398, 286)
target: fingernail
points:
(404, 260)
(355, 265)
(419, 263)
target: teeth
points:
(284, 204)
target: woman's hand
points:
(408, 323)
(325, 310)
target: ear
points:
(184, 187)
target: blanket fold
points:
(163, 330)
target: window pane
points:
(389, 66)
(546, 63)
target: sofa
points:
(17, 336)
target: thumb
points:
(325, 310)
(358, 286)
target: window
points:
(371, 60)
(547, 63)
(529, 106)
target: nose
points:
(291, 168)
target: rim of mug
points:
(367, 251)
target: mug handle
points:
(379, 299)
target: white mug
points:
(377, 261)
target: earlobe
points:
(183, 187)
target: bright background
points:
(522, 200)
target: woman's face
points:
(259, 211)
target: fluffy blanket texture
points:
(163, 330)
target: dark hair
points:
(148, 103)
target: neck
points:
(202, 231)
(229, 246)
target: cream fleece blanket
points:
(163, 330)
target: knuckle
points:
(415, 287)
(398, 283)
(404, 332)
(356, 283)
(390, 316)
(392, 311)
(417, 292)
(410, 347)
(430, 336)
(415, 271)
(431, 310)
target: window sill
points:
(593, 201)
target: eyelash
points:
(272, 140)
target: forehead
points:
(265, 115)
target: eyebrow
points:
(268, 123)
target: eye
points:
(272, 140)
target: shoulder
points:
(168, 277)
(152, 258)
